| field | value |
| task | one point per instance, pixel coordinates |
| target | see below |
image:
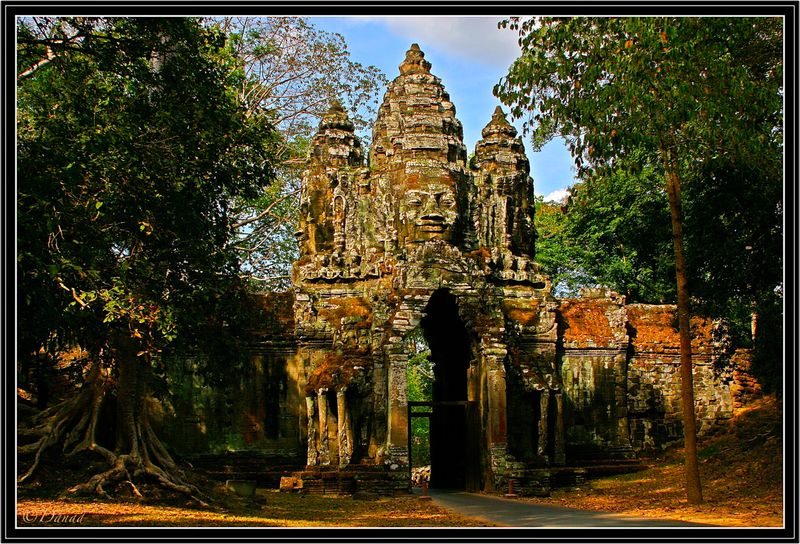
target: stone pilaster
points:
(559, 456)
(398, 409)
(544, 405)
(311, 440)
(324, 452)
(344, 430)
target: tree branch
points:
(46, 60)
(266, 211)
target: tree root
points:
(72, 424)
(51, 428)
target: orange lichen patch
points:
(744, 386)
(586, 321)
(525, 312)
(338, 308)
(481, 255)
(653, 324)
(336, 370)
(659, 325)
(413, 181)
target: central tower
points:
(419, 160)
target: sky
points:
(470, 55)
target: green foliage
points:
(735, 243)
(419, 377)
(612, 232)
(640, 98)
(696, 86)
(132, 142)
(769, 347)
(621, 222)
(558, 254)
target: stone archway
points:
(454, 427)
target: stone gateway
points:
(419, 241)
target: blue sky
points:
(470, 55)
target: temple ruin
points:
(417, 240)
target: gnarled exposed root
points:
(54, 425)
(123, 466)
(72, 425)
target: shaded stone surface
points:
(528, 388)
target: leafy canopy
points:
(695, 100)
(132, 143)
(699, 86)
(613, 232)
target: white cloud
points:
(474, 38)
(556, 196)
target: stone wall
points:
(254, 408)
(593, 363)
(654, 395)
(620, 371)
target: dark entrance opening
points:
(454, 424)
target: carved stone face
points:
(429, 212)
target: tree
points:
(293, 71)
(619, 221)
(561, 257)
(613, 231)
(132, 143)
(734, 214)
(685, 88)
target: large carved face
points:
(429, 212)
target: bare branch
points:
(266, 211)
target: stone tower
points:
(419, 240)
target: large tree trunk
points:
(693, 488)
(138, 453)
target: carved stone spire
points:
(418, 159)
(506, 200)
(336, 118)
(335, 143)
(500, 147)
(499, 125)
(335, 158)
(415, 62)
(417, 121)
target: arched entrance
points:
(454, 422)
